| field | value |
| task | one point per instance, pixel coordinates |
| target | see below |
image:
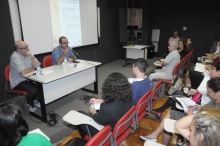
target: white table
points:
(63, 81)
(135, 51)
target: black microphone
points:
(77, 55)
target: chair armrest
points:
(169, 126)
(76, 118)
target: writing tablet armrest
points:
(76, 118)
(169, 126)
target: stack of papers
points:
(96, 106)
(46, 72)
(200, 67)
(185, 102)
(157, 64)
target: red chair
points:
(47, 61)
(155, 93)
(102, 138)
(13, 91)
(141, 109)
(123, 127)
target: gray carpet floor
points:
(73, 102)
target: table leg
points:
(43, 116)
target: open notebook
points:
(200, 67)
(185, 102)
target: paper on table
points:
(185, 102)
(157, 64)
(46, 72)
(96, 106)
(131, 80)
(200, 67)
(207, 60)
(185, 90)
(39, 132)
(208, 54)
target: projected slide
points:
(65, 18)
(45, 21)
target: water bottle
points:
(38, 73)
(65, 63)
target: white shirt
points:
(202, 89)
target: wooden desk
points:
(63, 81)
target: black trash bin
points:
(150, 51)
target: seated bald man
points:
(23, 62)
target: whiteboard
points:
(155, 35)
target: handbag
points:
(177, 86)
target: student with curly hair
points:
(116, 101)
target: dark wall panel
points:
(200, 17)
(6, 42)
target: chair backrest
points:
(102, 138)
(176, 69)
(156, 89)
(123, 127)
(141, 109)
(47, 61)
(141, 106)
(7, 69)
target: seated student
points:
(189, 44)
(213, 89)
(116, 101)
(214, 73)
(201, 129)
(194, 78)
(22, 62)
(168, 64)
(14, 129)
(215, 48)
(62, 51)
(182, 49)
(175, 37)
(141, 83)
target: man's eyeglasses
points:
(65, 43)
